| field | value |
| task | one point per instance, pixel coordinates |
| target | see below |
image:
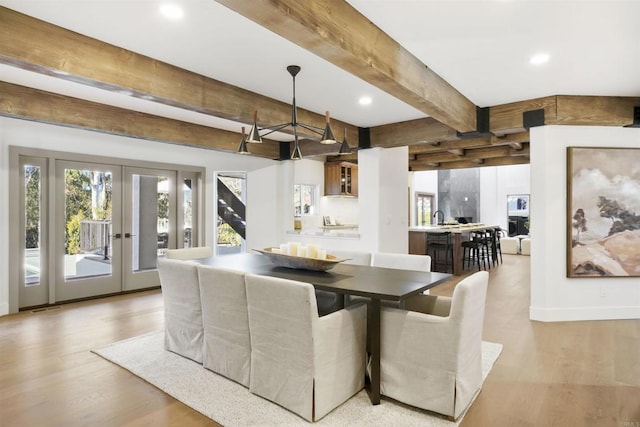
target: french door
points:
(149, 224)
(89, 229)
(88, 222)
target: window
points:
(304, 199)
(424, 202)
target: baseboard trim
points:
(566, 314)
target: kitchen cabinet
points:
(340, 179)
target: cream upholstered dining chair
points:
(328, 302)
(401, 262)
(183, 332)
(227, 345)
(432, 359)
(189, 253)
(305, 363)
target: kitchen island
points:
(459, 234)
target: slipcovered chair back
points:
(303, 362)
(355, 257)
(183, 331)
(401, 261)
(189, 253)
(227, 344)
(432, 359)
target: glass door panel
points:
(88, 216)
(150, 207)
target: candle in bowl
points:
(312, 250)
(293, 248)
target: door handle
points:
(116, 236)
(128, 235)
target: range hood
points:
(636, 118)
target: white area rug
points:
(230, 404)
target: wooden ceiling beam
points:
(410, 133)
(416, 166)
(32, 104)
(451, 145)
(353, 158)
(478, 153)
(595, 110)
(337, 32)
(38, 46)
(507, 118)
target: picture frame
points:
(518, 205)
(603, 212)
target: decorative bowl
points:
(301, 263)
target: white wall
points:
(394, 195)
(496, 182)
(262, 181)
(554, 297)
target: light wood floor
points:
(549, 374)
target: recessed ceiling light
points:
(365, 100)
(539, 58)
(171, 11)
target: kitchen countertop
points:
(332, 232)
(458, 228)
(339, 227)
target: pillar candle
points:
(322, 254)
(302, 251)
(312, 251)
(284, 248)
(293, 248)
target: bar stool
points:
(496, 249)
(439, 246)
(476, 249)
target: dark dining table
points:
(375, 283)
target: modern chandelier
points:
(255, 136)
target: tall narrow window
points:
(424, 203)
(232, 218)
(33, 224)
(304, 199)
(187, 200)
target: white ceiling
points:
(481, 47)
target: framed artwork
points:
(603, 212)
(518, 205)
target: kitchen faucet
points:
(435, 214)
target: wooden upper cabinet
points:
(340, 179)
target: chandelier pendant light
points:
(344, 146)
(242, 148)
(255, 135)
